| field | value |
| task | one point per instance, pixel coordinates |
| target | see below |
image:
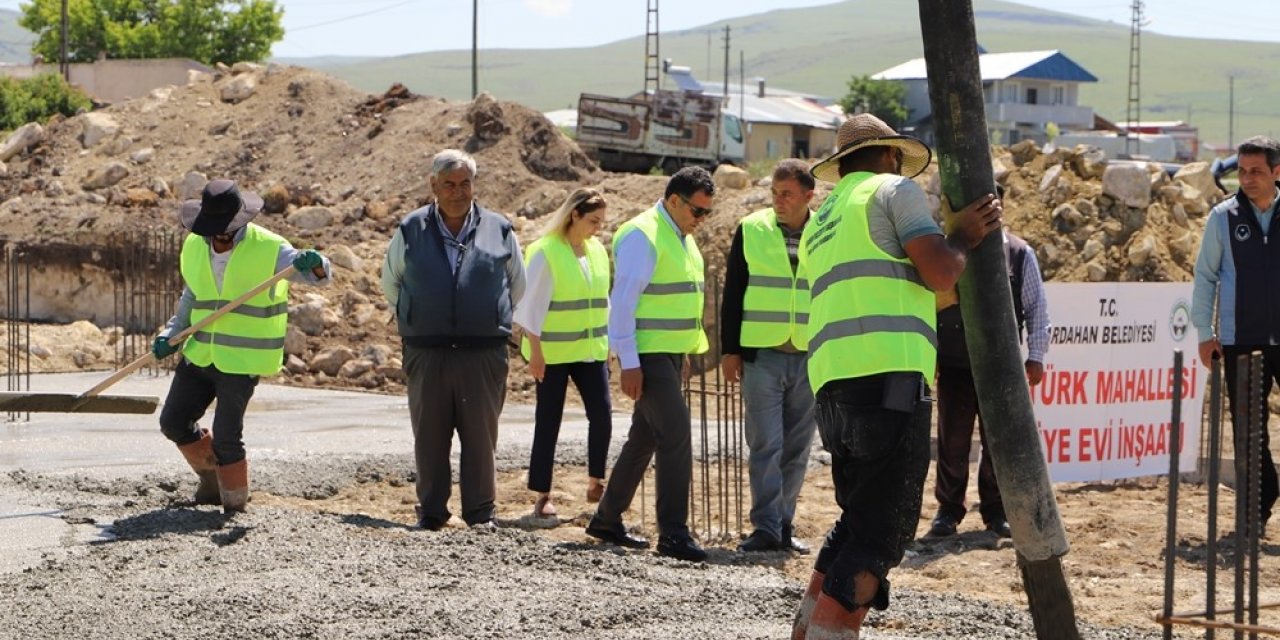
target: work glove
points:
(307, 260)
(161, 348)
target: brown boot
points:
(831, 621)
(234, 480)
(199, 455)
(800, 624)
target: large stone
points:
(311, 218)
(344, 257)
(139, 197)
(239, 88)
(1066, 218)
(295, 341)
(330, 360)
(1092, 247)
(1050, 179)
(1089, 161)
(1095, 272)
(308, 316)
(1128, 183)
(1024, 151)
(142, 156)
(98, 126)
(275, 199)
(1198, 175)
(21, 139)
(1183, 246)
(355, 368)
(293, 364)
(105, 176)
(731, 177)
(1142, 250)
(191, 185)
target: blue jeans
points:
(779, 428)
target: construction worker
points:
(655, 321)
(874, 257)
(224, 256)
(564, 315)
(763, 338)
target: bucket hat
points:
(865, 130)
(222, 208)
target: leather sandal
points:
(543, 507)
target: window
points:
(1033, 95)
(733, 127)
(1058, 94)
(1011, 92)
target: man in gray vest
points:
(452, 274)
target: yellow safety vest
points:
(248, 340)
(870, 312)
(576, 327)
(775, 309)
(669, 313)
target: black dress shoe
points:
(759, 540)
(426, 523)
(790, 541)
(944, 526)
(680, 548)
(615, 534)
(1000, 528)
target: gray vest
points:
(469, 309)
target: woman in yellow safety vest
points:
(564, 314)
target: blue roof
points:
(1039, 65)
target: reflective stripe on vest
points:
(669, 312)
(870, 312)
(248, 340)
(576, 326)
(775, 308)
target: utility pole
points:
(1133, 109)
(652, 62)
(964, 161)
(63, 66)
(475, 40)
(1231, 112)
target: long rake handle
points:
(175, 340)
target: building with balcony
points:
(1025, 92)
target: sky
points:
(396, 27)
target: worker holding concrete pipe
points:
(224, 256)
(874, 258)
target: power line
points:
(351, 17)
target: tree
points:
(885, 99)
(208, 31)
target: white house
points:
(1025, 91)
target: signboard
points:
(1103, 409)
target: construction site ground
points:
(97, 538)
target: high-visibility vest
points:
(249, 339)
(775, 309)
(869, 312)
(669, 312)
(576, 326)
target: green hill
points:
(818, 49)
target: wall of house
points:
(116, 80)
(771, 141)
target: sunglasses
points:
(698, 212)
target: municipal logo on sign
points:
(1179, 320)
(1243, 232)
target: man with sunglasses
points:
(655, 321)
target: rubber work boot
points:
(199, 455)
(800, 623)
(831, 621)
(234, 480)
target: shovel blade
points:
(20, 402)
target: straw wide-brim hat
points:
(865, 130)
(222, 208)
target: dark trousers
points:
(879, 460)
(592, 380)
(659, 425)
(458, 390)
(1270, 374)
(193, 389)
(957, 410)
